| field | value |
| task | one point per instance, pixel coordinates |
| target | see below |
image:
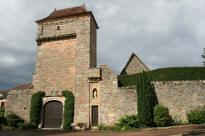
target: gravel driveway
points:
(198, 130)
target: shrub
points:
(36, 105)
(29, 126)
(125, 128)
(68, 109)
(145, 100)
(20, 125)
(116, 128)
(129, 121)
(161, 116)
(197, 116)
(13, 120)
(177, 120)
(1, 115)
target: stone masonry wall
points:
(135, 66)
(179, 96)
(55, 66)
(69, 60)
(93, 44)
(19, 102)
(114, 101)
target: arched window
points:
(95, 93)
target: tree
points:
(145, 100)
(203, 56)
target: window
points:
(58, 28)
(95, 93)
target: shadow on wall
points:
(156, 101)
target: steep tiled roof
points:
(63, 13)
(23, 87)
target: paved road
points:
(196, 130)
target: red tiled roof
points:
(62, 13)
(23, 87)
(65, 13)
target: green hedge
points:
(161, 116)
(36, 105)
(68, 109)
(2, 110)
(166, 74)
(13, 120)
(196, 116)
(145, 100)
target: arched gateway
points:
(53, 111)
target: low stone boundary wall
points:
(18, 102)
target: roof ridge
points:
(71, 8)
(129, 60)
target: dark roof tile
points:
(65, 13)
(23, 87)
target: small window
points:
(25, 108)
(58, 28)
(95, 93)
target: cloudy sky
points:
(163, 33)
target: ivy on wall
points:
(36, 105)
(68, 109)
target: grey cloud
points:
(162, 33)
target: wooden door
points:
(94, 115)
(53, 114)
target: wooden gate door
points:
(53, 114)
(94, 115)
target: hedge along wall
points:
(36, 106)
(166, 74)
(68, 109)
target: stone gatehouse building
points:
(66, 60)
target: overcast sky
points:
(163, 33)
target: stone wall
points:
(19, 102)
(55, 66)
(134, 65)
(181, 96)
(114, 101)
(93, 44)
(63, 64)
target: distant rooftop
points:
(23, 87)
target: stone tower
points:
(66, 57)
